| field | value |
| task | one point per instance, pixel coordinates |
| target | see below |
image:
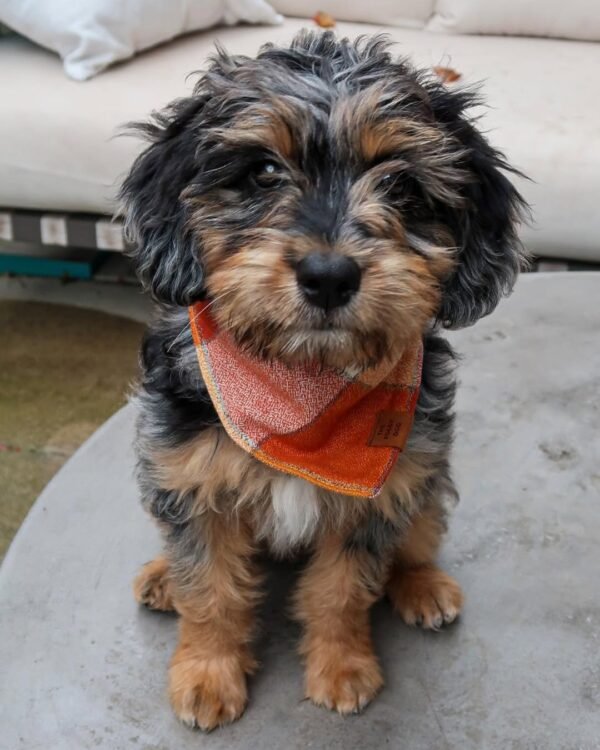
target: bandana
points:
(341, 433)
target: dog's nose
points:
(328, 280)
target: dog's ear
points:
(165, 254)
(489, 253)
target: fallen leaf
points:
(324, 20)
(4, 447)
(447, 75)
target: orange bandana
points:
(340, 433)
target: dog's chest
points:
(291, 518)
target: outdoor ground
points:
(63, 372)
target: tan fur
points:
(207, 676)
(400, 289)
(329, 148)
(400, 293)
(334, 596)
(220, 469)
(421, 543)
(419, 591)
(207, 683)
(277, 121)
(215, 464)
(153, 587)
(333, 602)
(425, 596)
(353, 122)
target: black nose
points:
(328, 280)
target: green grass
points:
(63, 372)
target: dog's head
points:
(331, 202)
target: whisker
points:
(216, 299)
(179, 336)
(188, 323)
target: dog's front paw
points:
(425, 596)
(342, 681)
(152, 587)
(207, 692)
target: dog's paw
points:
(425, 596)
(207, 692)
(342, 681)
(151, 586)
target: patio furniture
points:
(61, 161)
(84, 667)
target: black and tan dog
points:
(334, 157)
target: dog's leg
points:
(419, 591)
(333, 601)
(215, 589)
(153, 587)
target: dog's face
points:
(318, 239)
(330, 202)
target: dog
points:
(314, 215)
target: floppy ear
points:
(164, 252)
(489, 252)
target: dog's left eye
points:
(394, 184)
(267, 174)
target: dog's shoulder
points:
(173, 399)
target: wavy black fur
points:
(185, 158)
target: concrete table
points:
(83, 667)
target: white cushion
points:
(58, 150)
(410, 13)
(91, 35)
(576, 19)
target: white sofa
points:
(59, 151)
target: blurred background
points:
(71, 74)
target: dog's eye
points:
(388, 183)
(394, 184)
(267, 174)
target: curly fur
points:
(368, 157)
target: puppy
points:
(313, 216)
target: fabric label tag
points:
(391, 429)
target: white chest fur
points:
(294, 514)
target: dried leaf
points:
(324, 20)
(4, 447)
(447, 75)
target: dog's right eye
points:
(267, 174)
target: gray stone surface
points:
(116, 299)
(83, 667)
